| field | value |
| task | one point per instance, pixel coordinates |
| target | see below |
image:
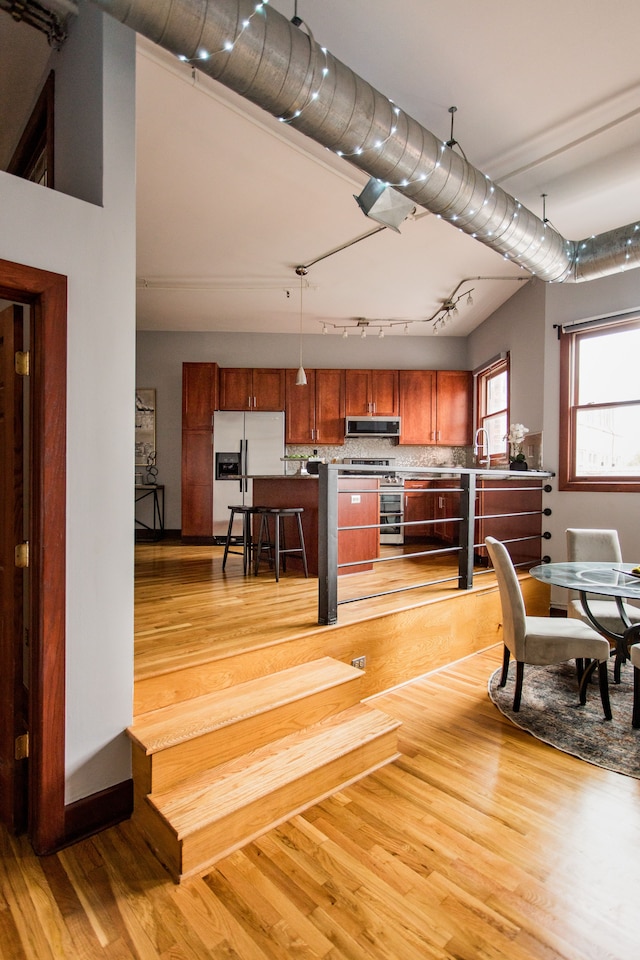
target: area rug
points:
(550, 710)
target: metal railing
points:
(464, 486)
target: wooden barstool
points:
(245, 553)
(276, 549)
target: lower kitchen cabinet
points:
(446, 506)
(358, 507)
(418, 507)
(507, 497)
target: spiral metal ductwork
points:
(264, 57)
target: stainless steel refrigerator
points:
(243, 443)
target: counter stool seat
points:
(246, 513)
(276, 549)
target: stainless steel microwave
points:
(372, 427)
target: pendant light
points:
(301, 377)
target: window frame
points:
(568, 478)
(35, 149)
(488, 371)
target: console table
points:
(155, 529)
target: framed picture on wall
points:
(145, 431)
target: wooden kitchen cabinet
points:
(446, 505)
(315, 413)
(436, 407)
(454, 408)
(358, 515)
(199, 400)
(418, 506)
(417, 389)
(247, 388)
(372, 393)
(507, 497)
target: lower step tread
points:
(212, 795)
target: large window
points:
(600, 406)
(492, 404)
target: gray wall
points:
(160, 356)
(525, 327)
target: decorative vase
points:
(518, 465)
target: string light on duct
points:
(319, 74)
(301, 376)
(231, 41)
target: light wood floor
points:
(480, 842)
(187, 607)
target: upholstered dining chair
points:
(542, 640)
(590, 544)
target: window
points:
(492, 404)
(33, 157)
(600, 406)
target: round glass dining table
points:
(599, 579)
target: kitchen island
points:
(357, 505)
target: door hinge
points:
(22, 554)
(22, 746)
(22, 363)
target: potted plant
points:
(515, 438)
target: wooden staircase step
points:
(175, 741)
(213, 813)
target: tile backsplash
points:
(403, 456)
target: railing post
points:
(467, 530)
(327, 544)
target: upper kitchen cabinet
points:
(417, 406)
(372, 393)
(454, 408)
(315, 413)
(247, 388)
(436, 407)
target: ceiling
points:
(230, 200)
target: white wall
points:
(95, 248)
(160, 356)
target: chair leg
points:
(518, 691)
(603, 677)
(635, 721)
(247, 543)
(506, 653)
(228, 541)
(302, 546)
(263, 529)
(276, 538)
(579, 668)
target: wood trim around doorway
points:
(47, 295)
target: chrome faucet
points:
(481, 443)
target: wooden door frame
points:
(46, 293)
